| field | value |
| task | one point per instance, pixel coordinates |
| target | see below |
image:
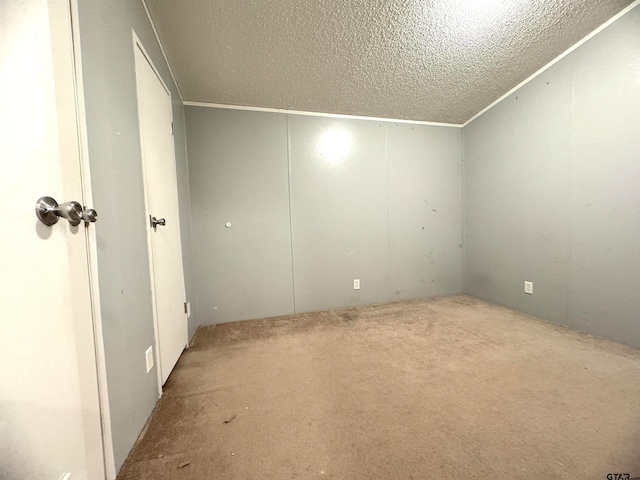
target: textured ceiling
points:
(430, 60)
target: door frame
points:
(137, 44)
(92, 247)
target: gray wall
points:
(239, 175)
(551, 190)
(306, 220)
(116, 172)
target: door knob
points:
(48, 211)
(72, 211)
(157, 221)
(89, 215)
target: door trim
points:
(92, 248)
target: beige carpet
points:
(442, 388)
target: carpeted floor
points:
(442, 388)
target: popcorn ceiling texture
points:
(436, 60)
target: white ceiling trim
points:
(155, 32)
(555, 60)
(319, 114)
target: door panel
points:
(159, 168)
(49, 409)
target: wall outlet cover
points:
(356, 284)
(148, 355)
(528, 288)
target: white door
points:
(161, 193)
(49, 407)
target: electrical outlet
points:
(528, 288)
(148, 355)
(356, 284)
(187, 308)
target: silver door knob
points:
(90, 215)
(158, 221)
(48, 211)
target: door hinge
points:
(173, 128)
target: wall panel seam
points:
(464, 217)
(386, 158)
(293, 273)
